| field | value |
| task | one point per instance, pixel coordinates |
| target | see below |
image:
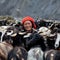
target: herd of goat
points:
(12, 46)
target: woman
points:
(29, 27)
(35, 39)
(33, 42)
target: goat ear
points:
(13, 35)
(22, 33)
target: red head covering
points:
(28, 18)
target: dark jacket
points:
(34, 40)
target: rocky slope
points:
(48, 9)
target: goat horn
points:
(51, 35)
(13, 35)
(22, 33)
(27, 35)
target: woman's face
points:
(27, 25)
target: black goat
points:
(52, 55)
(18, 53)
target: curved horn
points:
(22, 33)
(13, 35)
(27, 35)
(52, 35)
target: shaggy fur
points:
(18, 53)
(4, 49)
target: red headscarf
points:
(28, 18)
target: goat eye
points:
(9, 31)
